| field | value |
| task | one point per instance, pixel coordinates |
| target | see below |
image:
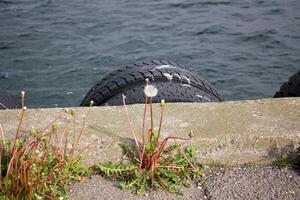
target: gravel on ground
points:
(245, 183)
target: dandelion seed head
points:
(150, 91)
(24, 108)
(23, 93)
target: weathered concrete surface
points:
(230, 132)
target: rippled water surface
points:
(57, 49)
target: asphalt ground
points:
(250, 182)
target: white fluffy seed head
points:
(92, 102)
(23, 93)
(24, 108)
(150, 91)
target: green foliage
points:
(292, 160)
(122, 171)
(174, 168)
(38, 173)
(285, 162)
(38, 165)
(152, 164)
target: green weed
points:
(38, 165)
(151, 163)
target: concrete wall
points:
(230, 132)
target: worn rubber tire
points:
(175, 83)
(290, 88)
(7, 101)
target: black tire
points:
(290, 88)
(7, 101)
(174, 82)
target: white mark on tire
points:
(186, 85)
(3, 105)
(178, 76)
(203, 97)
(168, 76)
(187, 79)
(164, 67)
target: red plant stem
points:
(160, 122)
(166, 140)
(150, 160)
(23, 172)
(11, 165)
(56, 146)
(151, 111)
(144, 117)
(18, 130)
(152, 173)
(66, 131)
(150, 134)
(143, 131)
(30, 192)
(142, 157)
(74, 133)
(50, 124)
(86, 146)
(131, 128)
(13, 152)
(83, 127)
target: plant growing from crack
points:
(152, 163)
(38, 165)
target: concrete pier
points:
(233, 132)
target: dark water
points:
(57, 49)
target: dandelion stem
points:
(160, 122)
(151, 111)
(144, 117)
(131, 128)
(163, 143)
(143, 131)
